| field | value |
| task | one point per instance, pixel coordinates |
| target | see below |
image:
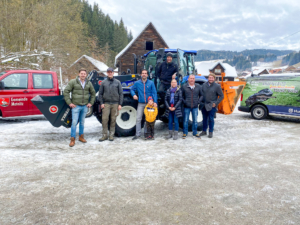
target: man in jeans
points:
(212, 96)
(83, 97)
(111, 100)
(191, 97)
(145, 88)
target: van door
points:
(15, 96)
(42, 85)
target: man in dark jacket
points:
(141, 91)
(212, 96)
(111, 100)
(166, 72)
(83, 97)
(191, 97)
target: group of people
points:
(190, 97)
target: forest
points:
(47, 34)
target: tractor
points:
(126, 120)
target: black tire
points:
(128, 104)
(259, 112)
(89, 112)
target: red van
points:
(18, 87)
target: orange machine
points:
(232, 91)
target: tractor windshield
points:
(182, 62)
(191, 64)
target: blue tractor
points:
(126, 121)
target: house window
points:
(218, 71)
(149, 45)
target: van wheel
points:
(259, 112)
(89, 112)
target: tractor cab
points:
(184, 59)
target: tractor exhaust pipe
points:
(135, 62)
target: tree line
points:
(291, 59)
(64, 29)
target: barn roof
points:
(204, 67)
(134, 39)
(99, 65)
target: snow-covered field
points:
(249, 173)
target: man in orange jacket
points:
(150, 112)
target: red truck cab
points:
(18, 87)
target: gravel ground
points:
(249, 173)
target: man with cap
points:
(212, 96)
(111, 100)
(166, 73)
(83, 97)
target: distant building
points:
(147, 40)
(260, 71)
(275, 71)
(89, 64)
(206, 67)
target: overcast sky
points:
(214, 25)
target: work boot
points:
(175, 135)
(203, 133)
(197, 136)
(81, 138)
(104, 138)
(170, 134)
(184, 136)
(111, 137)
(210, 135)
(72, 143)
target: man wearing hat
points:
(111, 100)
(83, 97)
(166, 73)
(212, 96)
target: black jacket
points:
(211, 94)
(191, 97)
(166, 71)
(177, 102)
(110, 92)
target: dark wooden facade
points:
(218, 70)
(125, 60)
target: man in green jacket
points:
(83, 97)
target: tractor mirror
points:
(2, 86)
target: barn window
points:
(218, 71)
(149, 45)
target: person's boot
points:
(104, 138)
(175, 135)
(170, 134)
(111, 137)
(184, 136)
(81, 138)
(72, 143)
(210, 135)
(203, 133)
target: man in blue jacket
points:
(144, 88)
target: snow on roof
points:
(99, 65)
(204, 67)
(258, 70)
(133, 40)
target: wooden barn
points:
(89, 64)
(204, 68)
(147, 40)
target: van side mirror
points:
(2, 86)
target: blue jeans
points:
(78, 114)
(173, 118)
(187, 112)
(208, 118)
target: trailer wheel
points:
(89, 112)
(190, 124)
(259, 112)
